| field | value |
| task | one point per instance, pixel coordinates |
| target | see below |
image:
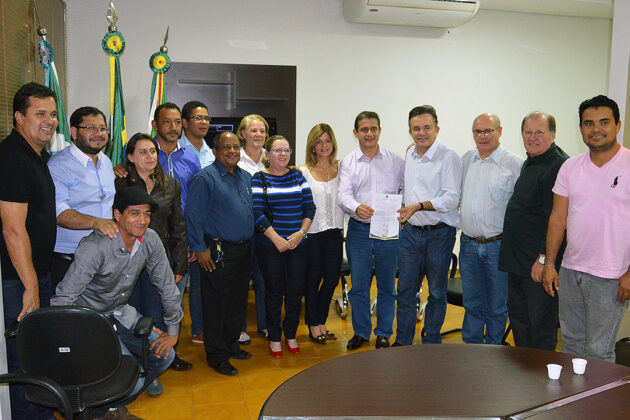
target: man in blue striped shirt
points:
(489, 175)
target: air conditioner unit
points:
(432, 13)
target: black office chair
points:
(77, 348)
(57, 391)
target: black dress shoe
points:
(180, 364)
(356, 342)
(241, 355)
(382, 342)
(396, 344)
(226, 368)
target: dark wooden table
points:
(438, 381)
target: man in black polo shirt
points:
(27, 221)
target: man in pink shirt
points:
(592, 201)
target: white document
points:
(384, 224)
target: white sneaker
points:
(244, 339)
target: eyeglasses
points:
(536, 133)
(485, 132)
(365, 130)
(94, 129)
(281, 151)
(199, 118)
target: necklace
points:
(326, 171)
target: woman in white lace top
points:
(325, 242)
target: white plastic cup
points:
(553, 371)
(579, 366)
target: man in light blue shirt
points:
(433, 176)
(490, 173)
(196, 122)
(84, 187)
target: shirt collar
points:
(82, 157)
(223, 170)
(495, 156)
(429, 154)
(178, 147)
(378, 154)
(249, 159)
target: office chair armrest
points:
(44, 382)
(11, 332)
(143, 327)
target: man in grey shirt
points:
(104, 273)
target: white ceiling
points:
(583, 8)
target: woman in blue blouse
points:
(283, 210)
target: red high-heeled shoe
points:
(276, 354)
(294, 350)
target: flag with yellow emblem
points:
(159, 64)
(114, 45)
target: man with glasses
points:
(84, 187)
(489, 175)
(433, 177)
(368, 170)
(533, 313)
(196, 122)
(220, 223)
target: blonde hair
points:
(245, 123)
(313, 136)
(268, 145)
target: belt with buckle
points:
(486, 240)
(352, 219)
(431, 227)
(62, 256)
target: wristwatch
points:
(541, 259)
(304, 234)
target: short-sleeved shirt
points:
(205, 155)
(82, 187)
(598, 223)
(24, 178)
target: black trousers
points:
(533, 313)
(59, 266)
(224, 301)
(285, 278)
(325, 253)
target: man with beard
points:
(84, 187)
(591, 201)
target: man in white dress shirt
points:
(366, 171)
(490, 173)
(433, 176)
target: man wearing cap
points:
(104, 273)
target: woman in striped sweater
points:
(283, 210)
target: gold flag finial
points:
(112, 16)
(40, 31)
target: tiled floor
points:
(201, 393)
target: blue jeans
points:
(132, 346)
(146, 299)
(194, 298)
(485, 290)
(364, 255)
(259, 296)
(12, 291)
(590, 315)
(423, 252)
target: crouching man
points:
(103, 275)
